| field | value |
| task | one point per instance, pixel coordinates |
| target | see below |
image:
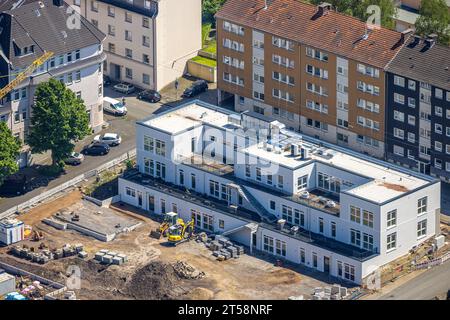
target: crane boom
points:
(25, 74)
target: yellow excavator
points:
(25, 74)
(170, 219)
(181, 232)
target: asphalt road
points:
(125, 126)
(434, 282)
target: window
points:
(422, 205)
(111, 30)
(160, 148)
(391, 241)
(148, 144)
(128, 36)
(321, 225)
(128, 73)
(349, 272)
(421, 228)
(181, 176)
(367, 241)
(146, 78)
(258, 174)
(94, 6)
(272, 205)
(268, 244)
(283, 43)
(399, 81)
(193, 181)
(208, 222)
(247, 170)
(398, 150)
(355, 214)
(129, 53)
(111, 11)
(280, 248)
(412, 85)
(355, 237)
(368, 218)
(130, 192)
(399, 98)
(146, 41)
(314, 258)
(302, 256)
(391, 218)
(302, 182)
(145, 22)
(112, 47)
(438, 93)
(333, 229)
(411, 102)
(128, 17)
(214, 188)
(286, 213)
(221, 224)
(399, 133)
(280, 182)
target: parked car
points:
(14, 185)
(106, 81)
(196, 88)
(96, 149)
(124, 87)
(149, 95)
(74, 159)
(111, 139)
(114, 107)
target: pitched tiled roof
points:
(417, 60)
(44, 27)
(332, 32)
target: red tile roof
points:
(333, 32)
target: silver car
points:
(111, 139)
(124, 87)
(74, 159)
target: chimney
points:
(431, 40)
(323, 8)
(405, 34)
(58, 3)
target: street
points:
(125, 126)
(434, 282)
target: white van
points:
(114, 107)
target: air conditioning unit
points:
(294, 150)
(331, 204)
(304, 195)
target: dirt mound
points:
(155, 281)
(199, 293)
(186, 271)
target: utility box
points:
(11, 231)
(7, 284)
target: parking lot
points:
(124, 126)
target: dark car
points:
(196, 88)
(106, 81)
(96, 149)
(149, 95)
(14, 185)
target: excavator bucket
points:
(155, 234)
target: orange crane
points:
(25, 74)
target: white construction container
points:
(11, 231)
(7, 284)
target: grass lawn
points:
(211, 47)
(205, 61)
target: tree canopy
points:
(434, 18)
(210, 8)
(59, 118)
(9, 150)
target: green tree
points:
(9, 150)
(358, 9)
(59, 118)
(210, 8)
(434, 18)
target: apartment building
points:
(418, 117)
(246, 176)
(148, 42)
(318, 71)
(28, 28)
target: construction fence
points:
(45, 195)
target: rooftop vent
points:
(323, 9)
(41, 4)
(304, 195)
(430, 41)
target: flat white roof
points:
(187, 117)
(387, 181)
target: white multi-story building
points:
(28, 29)
(148, 41)
(239, 174)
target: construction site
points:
(151, 268)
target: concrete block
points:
(107, 259)
(335, 288)
(117, 261)
(82, 254)
(343, 291)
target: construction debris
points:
(223, 248)
(335, 292)
(186, 271)
(45, 255)
(110, 257)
